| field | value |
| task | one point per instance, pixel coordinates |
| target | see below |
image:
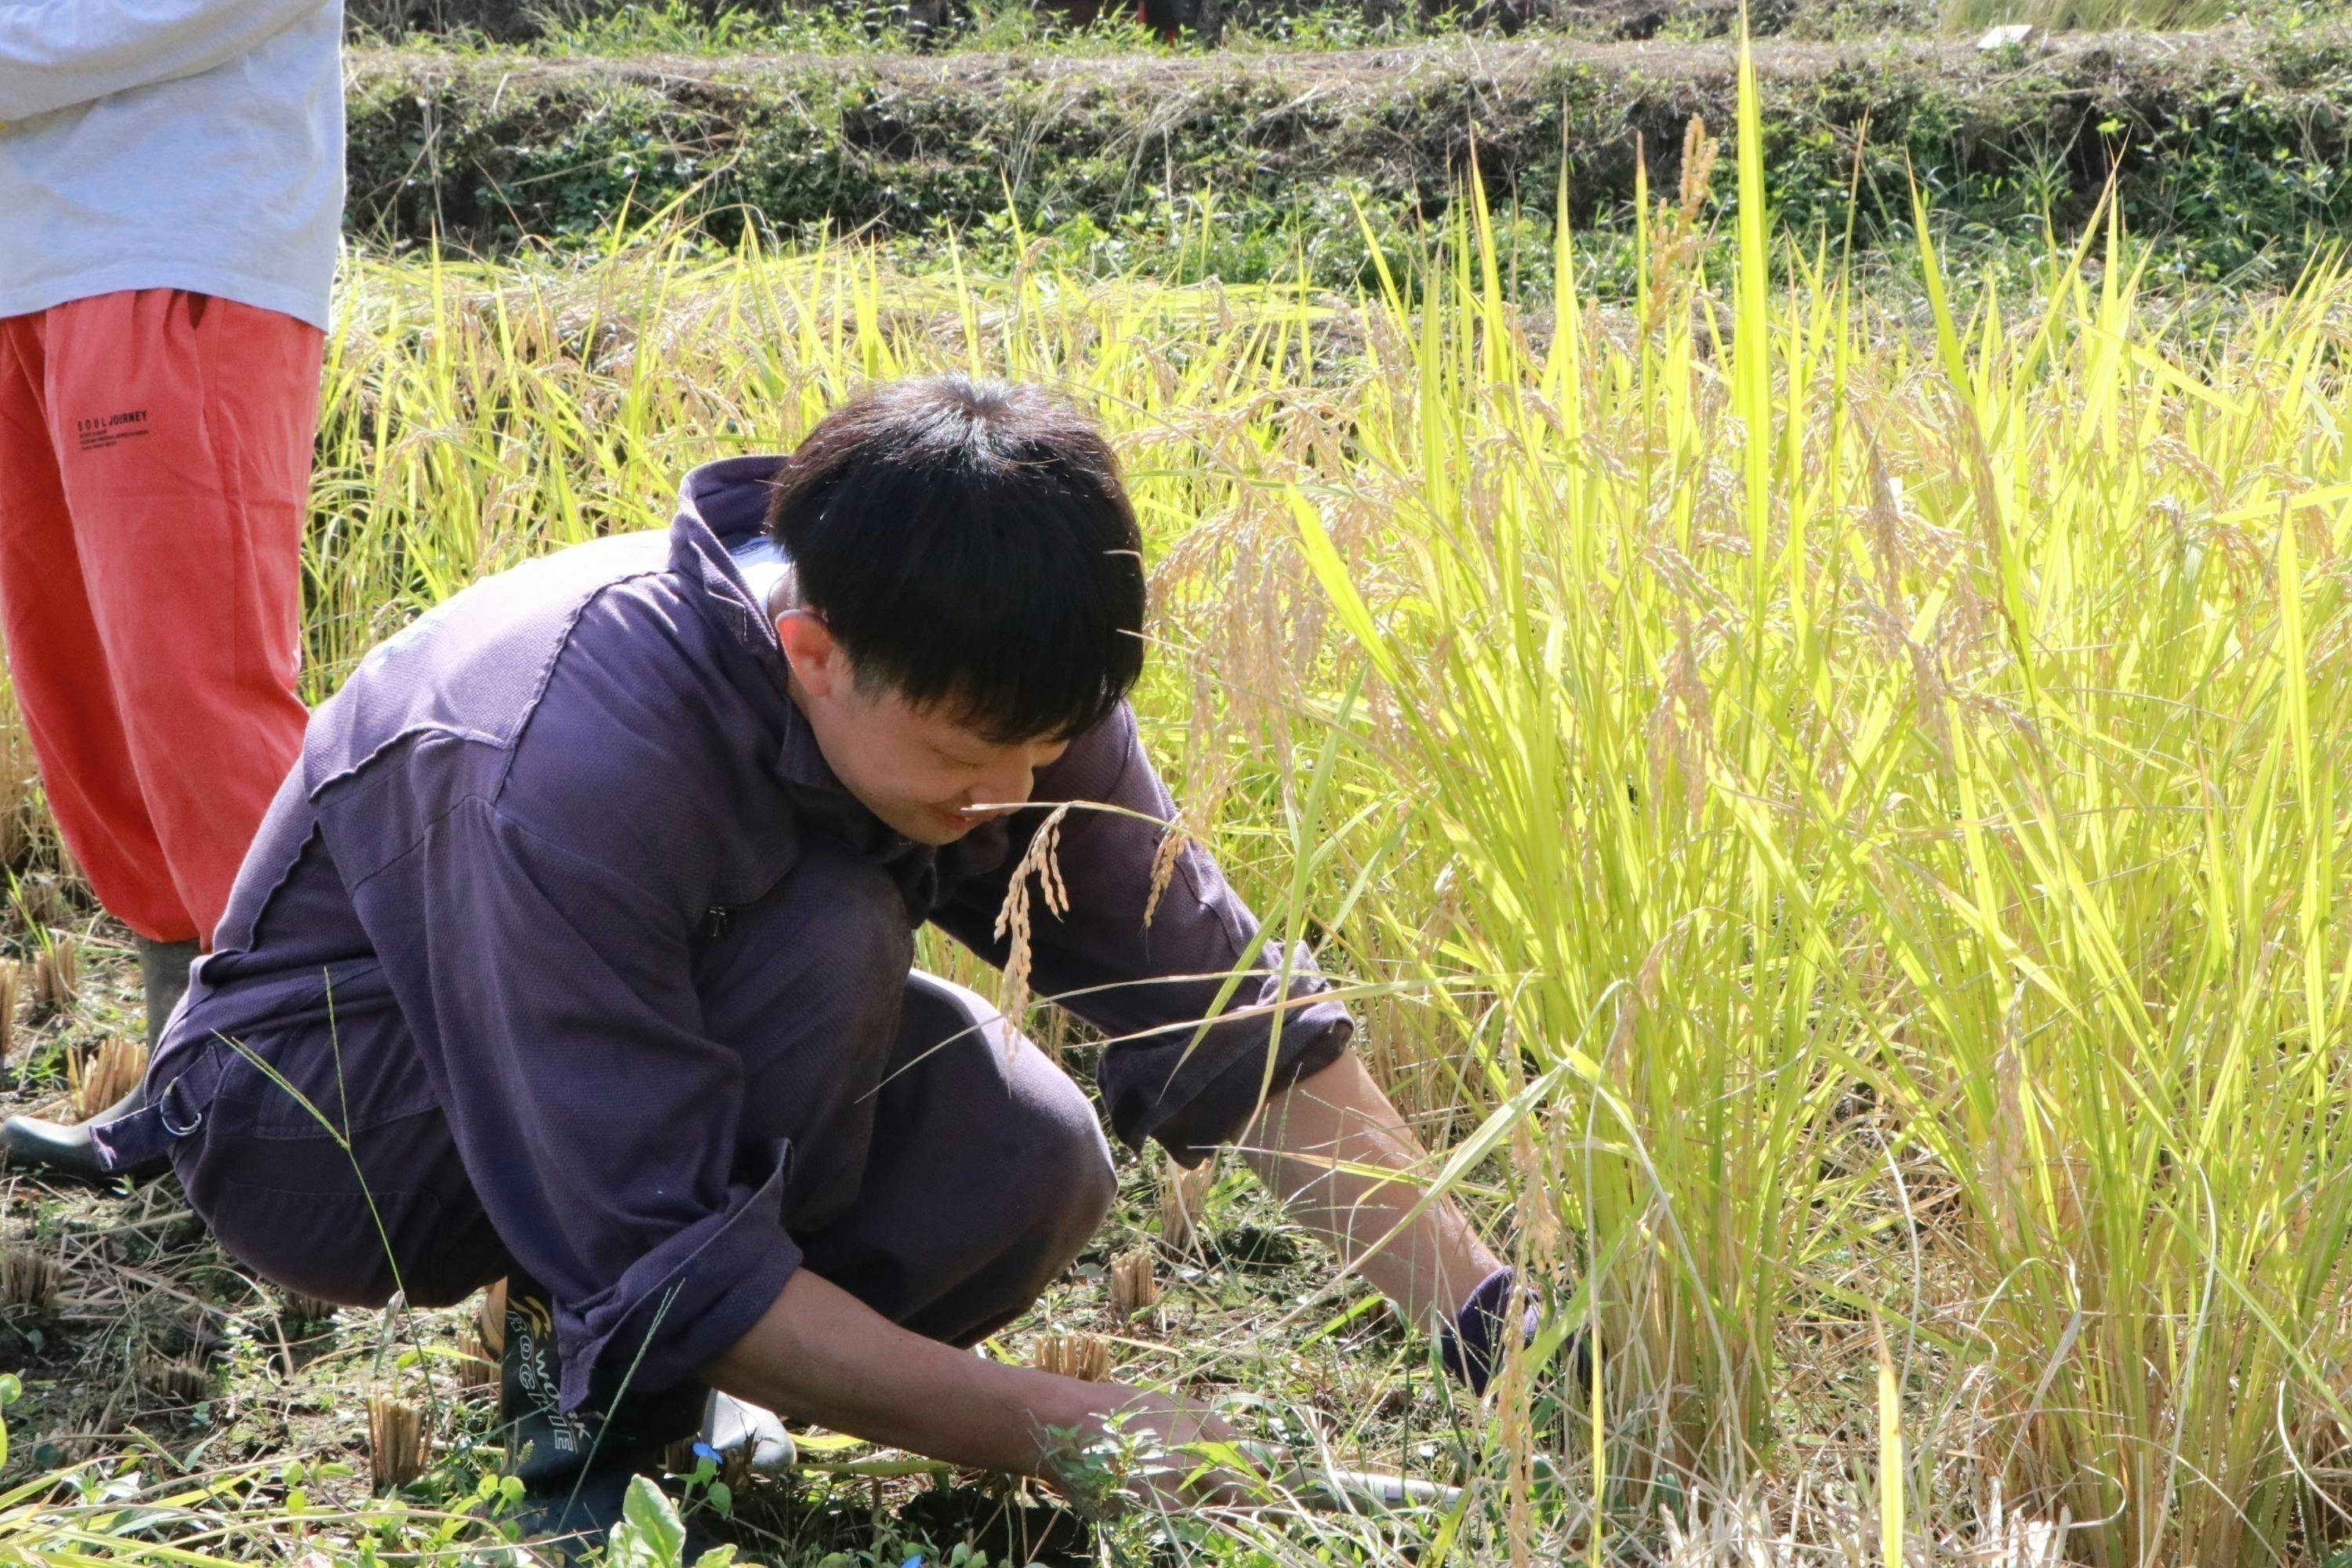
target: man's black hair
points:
(969, 544)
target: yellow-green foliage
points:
(1845, 805)
(2089, 16)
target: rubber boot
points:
(65, 1150)
(575, 1467)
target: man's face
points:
(929, 777)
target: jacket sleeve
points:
(58, 53)
(554, 1000)
(1151, 987)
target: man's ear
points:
(815, 654)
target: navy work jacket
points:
(518, 821)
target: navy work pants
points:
(943, 1169)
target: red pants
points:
(154, 469)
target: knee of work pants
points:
(987, 1176)
(350, 1193)
(943, 1169)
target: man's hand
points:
(1142, 1450)
(820, 1354)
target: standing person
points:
(171, 193)
(577, 952)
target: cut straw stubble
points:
(12, 981)
(31, 1280)
(1086, 1357)
(1183, 1195)
(180, 1382)
(57, 974)
(1134, 1286)
(100, 1077)
(477, 1369)
(301, 1310)
(398, 1443)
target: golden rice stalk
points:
(1086, 1357)
(477, 1369)
(490, 1319)
(398, 1445)
(30, 1279)
(180, 1382)
(1134, 1284)
(1182, 1197)
(99, 1078)
(57, 974)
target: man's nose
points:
(1009, 782)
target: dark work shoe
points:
(575, 1466)
(64, 1149)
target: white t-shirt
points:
(192, 144)
(764, 564)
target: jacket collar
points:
(721, 505)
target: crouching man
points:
(576, 951)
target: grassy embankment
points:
(2229, 149)
(1843, 814)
